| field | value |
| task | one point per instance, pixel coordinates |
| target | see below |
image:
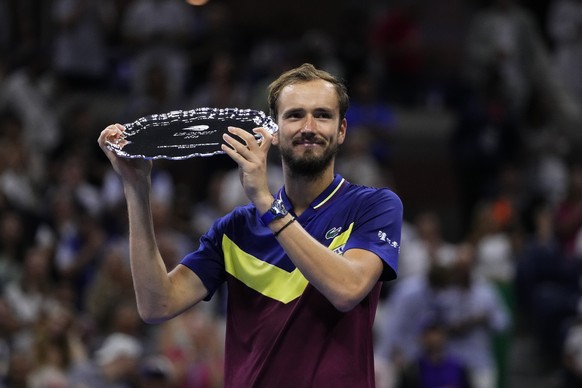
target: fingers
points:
(235, 144)
(249, 139)
(114, 135)
(249, 145)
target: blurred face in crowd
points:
(310, 127)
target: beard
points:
(309, 165)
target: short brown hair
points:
(305, 73)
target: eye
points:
(323, 114)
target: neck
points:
(302, 190)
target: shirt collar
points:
(322, 199)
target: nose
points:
(309, 124)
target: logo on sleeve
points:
(384, 237)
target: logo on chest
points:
(333, 233)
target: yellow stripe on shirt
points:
(265, 278)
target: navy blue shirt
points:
(280, 329)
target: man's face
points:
(310, 129)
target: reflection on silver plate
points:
(183, 134)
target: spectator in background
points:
(28, 91)
(427, 247)
(435, 366)
(484, 139)
(564, 26)
(397, 44)
(114, 364)
(491, 236)
(111, 285)
(354, 44)
(25, 32)
(569, 212)
(504, 40)
(413, 301)
(547, 281)
(155, 96)
(58, 348)
(158, 32)
(316, 46)
(194, 344)
(72, 177)
(372, 118)
(358, 165)
(547, 147)
(549, 269)
(13, 241)
(21, 171)
(8, 326)
(223, 86)
(30, 295)
(157, 371)
(216, 30)
(572, 355)
(204, 212)
(77, 239)
(81, 52)
(124, 319)
(473, 315)
(173, 243)
(539, 259)
(19, 367)
(163, 188)
(79, 125)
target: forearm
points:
(150, 276)
(343, 280)
(159, 295)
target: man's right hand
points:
(130, 170)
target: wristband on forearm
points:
(284, 226)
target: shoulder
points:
(372, 192)
(374, 196)
(237, 218)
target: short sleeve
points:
(377, 228)
(207, 261)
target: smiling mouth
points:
(307, 143)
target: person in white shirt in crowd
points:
(473, 313)
(428, 245)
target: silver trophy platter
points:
(183, 134)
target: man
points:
(303, 270)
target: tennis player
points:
(304, 266)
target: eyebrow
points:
(292, 111)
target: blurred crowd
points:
(506, 71)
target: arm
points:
(343, 280)
(159, 295)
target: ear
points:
(341, 134)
